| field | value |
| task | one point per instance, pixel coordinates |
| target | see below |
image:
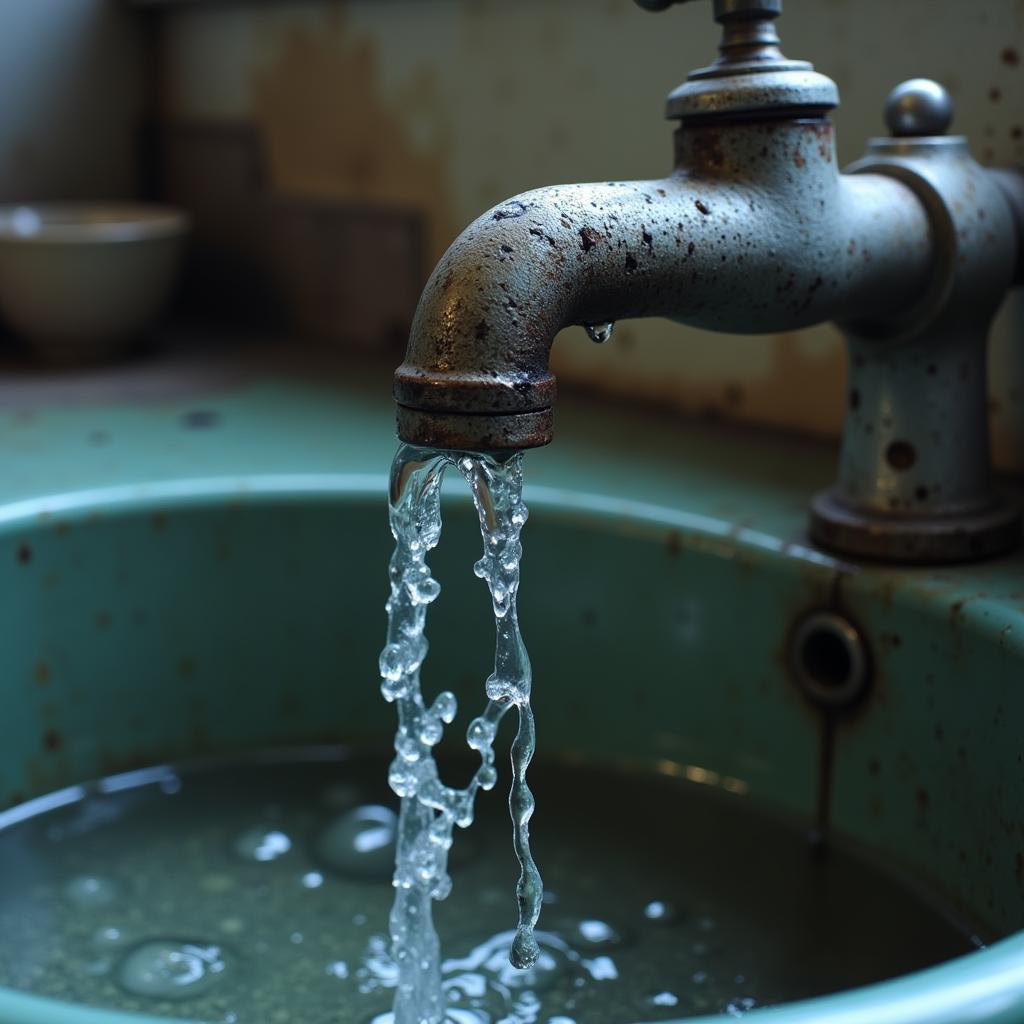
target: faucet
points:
(910, 251)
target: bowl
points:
(82, 281)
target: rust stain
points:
(331, 133)
(52, 740)
(1010, 57)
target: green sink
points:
(187, 615)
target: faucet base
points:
(922, 541)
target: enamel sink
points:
(158, 615)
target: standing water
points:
(430, 810)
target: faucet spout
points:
(755, 232)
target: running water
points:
(429, 809)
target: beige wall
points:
(71, 94)
(451, 105)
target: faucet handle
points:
(917, 107)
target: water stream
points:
(430, 810)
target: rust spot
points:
(798, 158)
(674, 543)
(52, 740)
(648, 238)
(449, 279)
(901, 455)
(661, 192)
(41, 673)
(482, 330)
(1016, 131)
(589, 238)
(200, 419)
(995, 94)
(630, 264)
(1010, 57)
(24, 554)
(701, 206)
(507, 248)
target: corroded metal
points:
(915, 481)
(756, 231)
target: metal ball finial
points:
(918, 107)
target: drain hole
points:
(829, 659)
(826, 659)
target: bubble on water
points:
(661, 912)
(311, 880)
(592, 934)
(739, 1007)
(599, 333)
(360, 843)
(110, 937)
(89, 891)
(262, 845)
(663, 998)
(601, 968)
(173, 969)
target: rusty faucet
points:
(910, 250)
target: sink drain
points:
(829, 659)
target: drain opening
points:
(829, 659)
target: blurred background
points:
(327, 152)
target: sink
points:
(155, 616)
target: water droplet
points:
(599, 333)
(392, 662)
(480, 734)
(361, 843)
(261, 844)
(338, 969)
(172, 969)
(445, 707)
(312, 880)
(661, 912)
(88, 891)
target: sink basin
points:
(183, 617)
